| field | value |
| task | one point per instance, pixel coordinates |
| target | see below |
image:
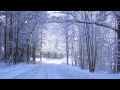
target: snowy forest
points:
(84, 40)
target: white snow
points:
(8, 72)
(49, 69)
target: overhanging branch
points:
(99, 24)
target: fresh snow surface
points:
(49, 69)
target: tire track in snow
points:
(39, 72)
(53, 71)
(27, 74)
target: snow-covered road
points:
(42, 71)
(49, 69)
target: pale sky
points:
(54, 13)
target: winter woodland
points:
(88, 40)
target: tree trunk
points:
(67, 47)
(41, 46)
(28, 55)
(5, 40)
(33, 52)
(118, 33)
(11, 41)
